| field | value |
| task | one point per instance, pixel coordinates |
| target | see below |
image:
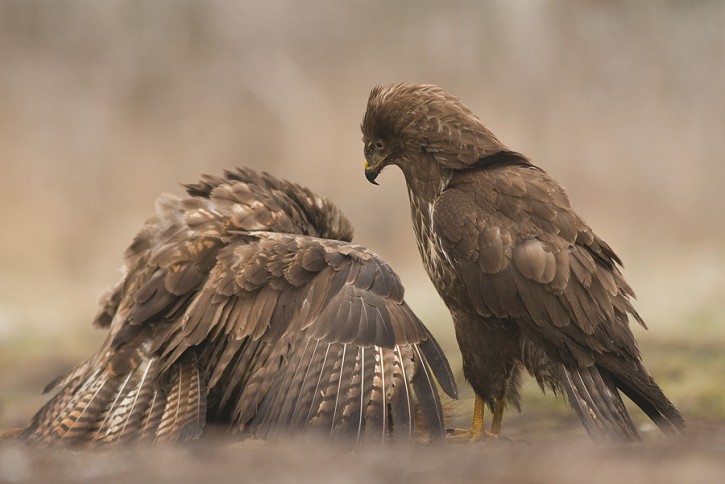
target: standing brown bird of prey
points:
(529, 285)
(245, 304)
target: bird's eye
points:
(378, 144)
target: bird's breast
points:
(435, 259)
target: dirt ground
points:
(695, 459)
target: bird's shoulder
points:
(508, 210)
(517, 194)
(500, 206)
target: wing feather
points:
(247, 297)
(375, 422)
(535, 255)
(526, 257)
(400, 397)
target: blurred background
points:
(105, 105)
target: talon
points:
(468, 435)
(454, 432)
(477, 432)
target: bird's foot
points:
(469, 435)
(464, 436)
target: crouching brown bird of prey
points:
(528, 284)
(245, 304)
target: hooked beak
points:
(373, 170)
(371, 173)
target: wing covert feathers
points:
(246, 304)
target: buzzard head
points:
(411, 125)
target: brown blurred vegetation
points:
(104, 105)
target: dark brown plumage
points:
(245, 304)
(528, 283)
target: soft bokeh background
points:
(104, 105)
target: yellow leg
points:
(498, 407)
(477, 426)
(478, 431)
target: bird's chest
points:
(436, 262)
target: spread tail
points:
(95, 407)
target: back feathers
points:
(246, 304)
